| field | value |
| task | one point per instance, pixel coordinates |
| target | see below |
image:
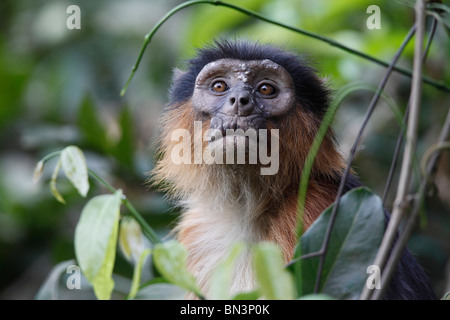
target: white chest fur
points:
(209, 230)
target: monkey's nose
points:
(241, 103)
(244, 100)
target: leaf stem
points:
(402, 133)
(148, 37)
(146, 229)
(405, 173)
(438, 84)
(418, 202)
(50, 156)
(370, 109)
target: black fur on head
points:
(311, 92)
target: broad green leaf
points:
(137, 274)
(53, 188)
(49, 290)
(221, 277)
(75, 168)
(96, 239)
(131, 240)
(103, 282)
(170, 260)
(354, 242)
(275, 282)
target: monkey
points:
(233, 85)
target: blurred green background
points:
(60, 87)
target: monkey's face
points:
(236, 94)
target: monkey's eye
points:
(266, 89)
(219, 86)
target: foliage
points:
(354, 242)
(356, 237)
(62, 88)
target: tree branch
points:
(148, 37)
(418, 201)
(340, 191)
(411, 136)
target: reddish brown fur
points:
(279, 192)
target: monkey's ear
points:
(177, 74)
(180, 88)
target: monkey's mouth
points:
(236, 134)
(235, 125)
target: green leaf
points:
(251, 295)
(221, 277)
(323, 129)
(75, 168)
(53, 188)
(275, 282)
(137, 274)
(103, 282)
(131, 240)
(96, 239)
(170, 260)
(354, 242)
